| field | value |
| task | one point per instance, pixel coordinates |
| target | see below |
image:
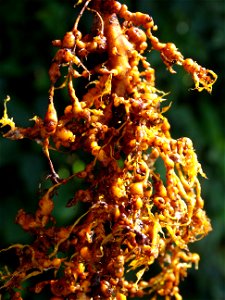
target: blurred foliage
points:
(197, 28)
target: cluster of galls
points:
(137, 218)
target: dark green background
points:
(197, 28)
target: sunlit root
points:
(135, 216)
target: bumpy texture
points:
(137, 218)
